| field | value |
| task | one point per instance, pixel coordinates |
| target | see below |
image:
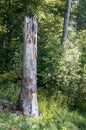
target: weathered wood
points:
(5, 104)
(28, 96)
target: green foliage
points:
(61, 68)
(49, 33)
(52, 117)
(10, 86)
(81, 13)
(71, 73)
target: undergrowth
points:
(53, 116)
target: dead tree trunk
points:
(66, 21)
(28, 95)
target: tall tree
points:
(28, 96)
(66, 20)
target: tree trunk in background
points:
(28, 95)
(66, 21)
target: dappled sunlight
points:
(60, 74)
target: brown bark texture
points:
(28, 95)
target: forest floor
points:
(54, 115)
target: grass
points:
(53, 116)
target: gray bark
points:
(28, 96)
(66, 21)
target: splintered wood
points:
(28, 95)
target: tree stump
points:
(28, 95)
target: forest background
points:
(61, 68)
